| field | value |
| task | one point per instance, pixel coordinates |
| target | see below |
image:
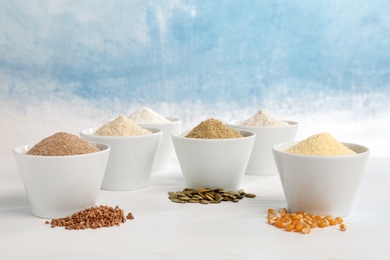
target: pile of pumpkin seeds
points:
(207, 195)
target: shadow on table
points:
(15, 204)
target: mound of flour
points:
(263, 118)
(121, 126)
(146, 115)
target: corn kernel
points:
(306, 230)
(314, 224)
(339, 220)
(321, 224)
(343, 227)
(271, 211)
(301, 221)
(290, 227)
(298, 227)
(279, 224)
(283, 210)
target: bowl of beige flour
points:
(133, 152)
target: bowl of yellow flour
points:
(319, 174)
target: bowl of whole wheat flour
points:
(213, 155)
(62, 174)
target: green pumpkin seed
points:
(206, 195)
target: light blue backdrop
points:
(300, 59)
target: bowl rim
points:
(277, 148)
(22, 150)
(234, 123)
(154, 130)
(180, 135)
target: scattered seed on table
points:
(94, 217)
(301, 222)
(206, 195)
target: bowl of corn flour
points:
(269, 131)
(213, 155)
(133, 152)
(146, 117)
(320, 175)
(61, 174)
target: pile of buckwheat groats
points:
(94, 217)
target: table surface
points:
(166, 230)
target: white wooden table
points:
(166, 230)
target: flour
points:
(145, 115)
(121, 126)
(263, 118)
(62, 144)
(321, 145)
(213, 129)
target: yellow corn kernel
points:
(306, 230)
(283, 210)
(290, 227)
(279, 224)
(343, 227)
(339, 220)
(314, 224)
(271, 211)
(321, 224)
(298, 227)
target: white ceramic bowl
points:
(58, 186)
(131, 158)
(213, 163)
(323, 185)
(262, 161)
(165, 151)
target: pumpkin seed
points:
(209, 197)
(173, 196)
(200, 190)
(218, 197)
(206, 195)
(234, 193)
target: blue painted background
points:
(317, 62)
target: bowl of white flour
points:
(269, 131)
(146, 117)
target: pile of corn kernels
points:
(302, 222)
